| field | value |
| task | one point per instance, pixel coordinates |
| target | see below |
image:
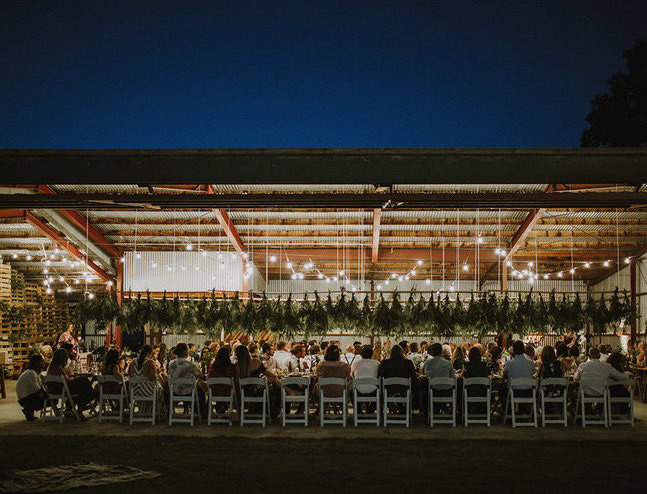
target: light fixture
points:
(76, 282)
(413, 272)
(497, 251)
(45, 270)
(334, 278)
(627, 260)
(289, 265)
(123, 259)
(109, 282)
(48, 262)
(49, 290)
(545, 276)
(605, 264)
(60, 278)
(387, 282)
(154, 264)
(28, 257)
(572, 271)
(400, 278)
(479, 239)
(90, 296)
(50, 279)
(559, 275)
(272, 258)
(294, 276)
(451, 288)
(189, 246)
(419, 262)
(320, 276)
(394, 276)
(530, 264)
(68, 289)
(587, 265)
(327, 280)
(427, 281)
(347, 281)
(406, 277)
(508, 263)
(57, 250)
(341, 273)
(466, 267)
(245, 255)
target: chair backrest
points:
(139, 386)
(593, 386)
(182, 381)
(328, 381)
(554, 381)
(108, 379)
(477, 381)
(46, 380)
(442, 381)
(396, 381)
(366, 381)
(298, 381)
(252, 381)
(227, 381)
(523, 382)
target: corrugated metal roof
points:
(192, 227)
(451, 215)
(448, 238)
(100, 189)
(259, 188)
(25, 240)
(16, 227)
(143, 216)
(597, 215)
(300, 215)
(591, 227)
(491, 229)
(305, 227)
(475, 188)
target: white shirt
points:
(295, 364)
(364, 368)
(28, 383)
(604, 357)
(282, 357)
(350, 358)
(594, 369)
(519, 367)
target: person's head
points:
(350, 349)
(529, 350)
(36, 363)
(547, 354)
(163, 350)
(191, 347)
(324, 345)
(182, 350)
(144, 352)
(70, 328)
(594, 353)
(366, 352)
(423, 346)
(268, 349)
(447, 351)
(436, 350)
(603, 348)
(459, 353)
(156, 352)
(243, 361)
(110, 360)
(207, 343)
(222, 360)
(332, 353)
(413, 347)
(617, 361)
(314, 349)
(298, 351)
(253, 348)
(387, 345)
(496, 352)
(59, 359)
(121, 363)
(474, 354)
(357, 347)
(491, 345)
(404, 344)
(561, 350)
(397, 353)
(518, 348)
(337, 343)
(574, 352)
(281, 345)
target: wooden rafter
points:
(377, 215)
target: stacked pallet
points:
(5, 296)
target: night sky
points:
(210, 74)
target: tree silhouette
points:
(618, 117)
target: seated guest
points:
(365, 367)
(268, 357)
(111, 367)
(641, 357)
(474, 366)
(550, 366)
(221, 367)
(404, 344)
(437, 366)
(350, 356)
(331, 366)
(79, 386)
(447, 351)
(573, 360)
(458, 359)
(415, 356)
(143, 365)
(519, 366)
(601, 371)
(377, 351)
(183, 368)
(31, 396)
(315, 356)
(495, 360)
(617, 361)
(605, 350)
(529, 351)
(297, 362)
(281, 355)
(248, 366)
(397, 366)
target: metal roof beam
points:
(377, 214)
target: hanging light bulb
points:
(572, 271)
(203, 253)
(530, 264)
(479, 239)
(60, 278)
(294, 276)
(531, 280)
(320, 276)
(272, 258)
(466, 267)
(123, 259)
(76, 282)
(545, 276)
(28, 257)
(109, 282)
(154, 264)
(394, 276)
(50, 279)
(508, 263)
(587, 265)
(245, 255)
(451, 288)
(419, 262)
(427, 281)
(379, 287)
(48, 262)
(334, 278)
(503, 252)
(497, 251)
(341, 273)
(300, 276)
(90, 296)
(413, 272)
(605, 264)
(559, 275)
(189, 246)
(68, 289)
(387, 282)
(327, 279)
(45, 270)
(400, 278)
(289, 265)
(347, 281)
(406, 277)
(49, 290)
(627, 260)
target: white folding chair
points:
(438, 386)
(553, 393)
(397, 400)
(247, 398)
(623, 400)
(143, 397)
(586, 396)
(110, 400)
(370, 398)
(214, 400)
(54, 406)
(470, 384)
(188, 400)
(301, 399)
(332, 400)
(514, 399)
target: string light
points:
(419, 262)
(189, 246)
(29, 257)
(154, 264)
(627, 260)
(605, 264)
(466, 267)
(272, 258)
(68, 289)
(123, 259)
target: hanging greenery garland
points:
(442, 317)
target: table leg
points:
(3, 389)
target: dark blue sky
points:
(210, 74)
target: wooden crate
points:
(5, 282)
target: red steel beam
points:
(63, 244)
(82, 224)
(632, 290)
(377, 215)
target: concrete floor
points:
(12, 422)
